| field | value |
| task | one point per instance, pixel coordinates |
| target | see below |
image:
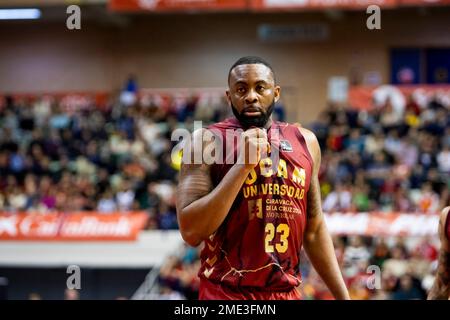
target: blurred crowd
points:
(58, 158)
(178, 278)
(392, 268)
(377, 160)
(118, 158)
(385, 159)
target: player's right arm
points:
(201, 207)
(441, 286)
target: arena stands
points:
(118, 158)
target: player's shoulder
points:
(444, 232)
(309, 136)
(444, 215)
(311, 143)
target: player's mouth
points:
(252, 112)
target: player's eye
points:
(241, 90)
(260, 88)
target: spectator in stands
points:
(107, 202)
(443, 160)
(57, 157)
(407, 289)
(167, 218)
(356, 255)
(425, 199)
(397, 264)
(374, 143)
(34, 296)
(338, 200)
(71, 294)
(125, 195)
(360, 198)
(419, 265)
(128, 96)
(355, 142)
(380, 253)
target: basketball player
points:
(441, 286)
(254, 215)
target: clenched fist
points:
(253, 146)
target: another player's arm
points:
(441, 287)
(201, 208)
(317, 240)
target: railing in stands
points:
(148, 288)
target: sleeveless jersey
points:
(258, 244)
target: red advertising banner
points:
(422, 3)
(85, 226)
(82, 226)
(176, 5)
(383, 224)
(69, 101)
(367, 97)
(261, 5)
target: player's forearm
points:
(201, 218)
(441, 286)
(439, 291)
(320, 250)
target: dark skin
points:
(441, 286)
(252, 90)
(201, 207)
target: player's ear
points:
(277, 92)
(228, 97)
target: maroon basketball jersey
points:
(258, 244)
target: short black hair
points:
(250, 60)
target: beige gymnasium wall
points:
(197, 50)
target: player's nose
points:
(251, 97)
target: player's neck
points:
(266, 126)
(268, 123)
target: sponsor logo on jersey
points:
(285, 146)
